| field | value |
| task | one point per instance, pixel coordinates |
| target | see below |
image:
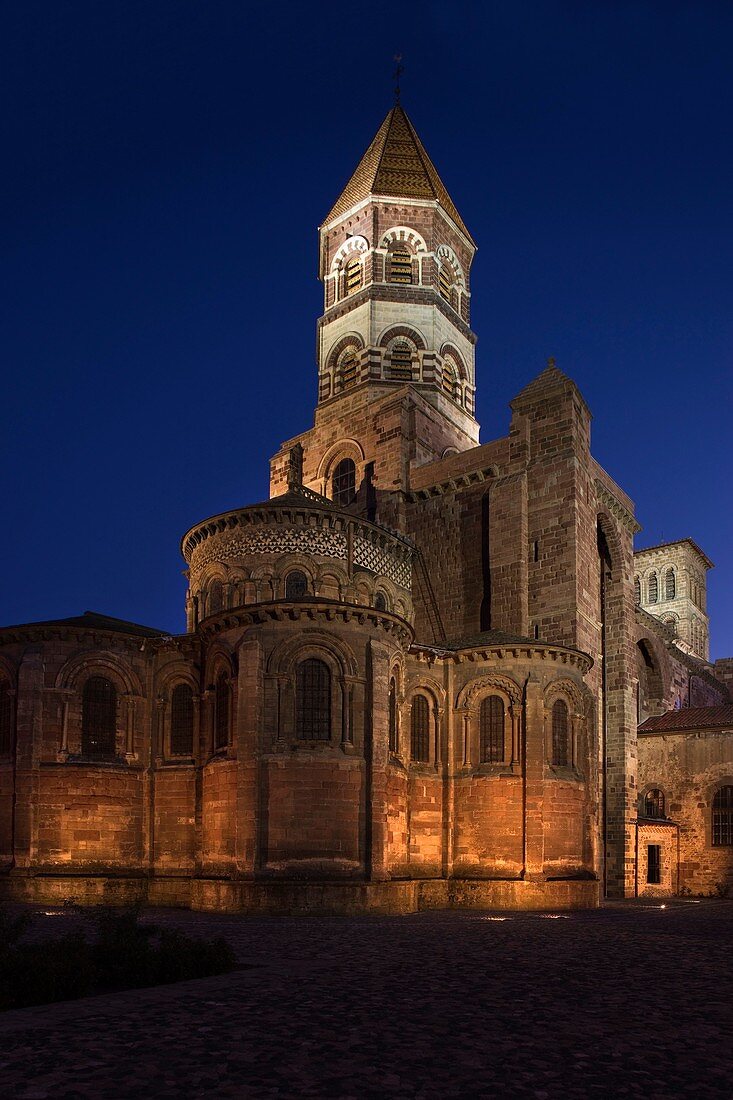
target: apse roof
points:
(93, 620)
(396, 164)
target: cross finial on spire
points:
(551, 362)
(399, 69)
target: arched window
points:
(449, 380)
(393, 747)
(445, 282)
(637, 590)
(420, 730)
(400, 361)
(313, 700)
(352, 275)
(670, 586)
(182, 720)
(343, 483)
(98, 717)
(654, 803)
(222, 711)
(491, 730)
(400, 266)
(723, 817)
(653, 588)
(380, 602)
(347, 368)
(216, 599)
(296, 585)
(6, 720)
(560, 738)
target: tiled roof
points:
(690, 718)
(93, 620)
(396, 164)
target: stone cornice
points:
(615, 507)
(303, 611)
(451, 484)
(552, 654)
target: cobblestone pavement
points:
(629, 1001)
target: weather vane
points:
(399, 69)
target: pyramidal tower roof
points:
(396, 164)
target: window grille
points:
(347, 371)
(380, 603)
(393, 716)
(222, 711)
(313, 700)
(6, 720)
(216, 600)
(420, 730)
(654, 803)
(723, 817)
(445, 283)
(400, 361)
(654, 864)
(296, 585)
(653, 588)
(343, 483)
(491, 730)
(670, 587)
(637, 590)
(98, 717)
(353, 276)
(182, 720)
(560, 755)
(449, 380)
(400, 266)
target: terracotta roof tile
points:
(396, 163)
(690, 718)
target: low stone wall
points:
(312, 898)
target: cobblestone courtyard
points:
(629, 1001)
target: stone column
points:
(534, 767)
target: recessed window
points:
(420, 730)
(723, 817)
(491, 730)
(654, 864)
(670, 586)
(653, 588)
(380, 602)
(400, 266)
(654, 803)
(352, 276)
(560, 734)
(182, 720)
(313, 700)
(216, 598)
(637, 590)
(222, 711)
(449, 380)
(343, 483)
(400, 361)
(445, 282)
(98, 717)
(393, 715)
(347, 368)
(6, 719)
(296, 585)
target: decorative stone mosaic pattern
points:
(381, 562)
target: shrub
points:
(122, 954)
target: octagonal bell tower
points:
(395, 261)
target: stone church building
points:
(427, 672)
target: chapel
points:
(426, 672)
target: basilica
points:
(427, 672)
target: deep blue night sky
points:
(167, 164)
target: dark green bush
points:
(121, 954)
